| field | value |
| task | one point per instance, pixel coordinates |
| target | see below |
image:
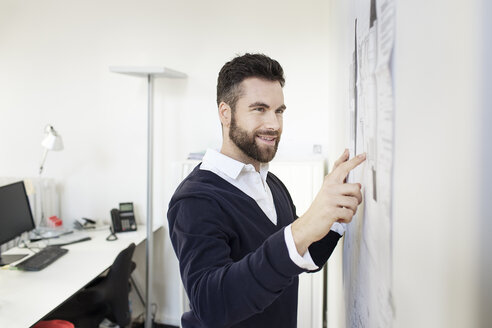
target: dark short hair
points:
(248, 65)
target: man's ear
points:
(225, 114)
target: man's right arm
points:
(337, 201)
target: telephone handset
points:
(123, 219)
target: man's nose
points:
(272, 121)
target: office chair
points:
(105, 297)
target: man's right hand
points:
(336, 201)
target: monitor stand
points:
(10, 258)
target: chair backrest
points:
(105, 297)
(117, 286)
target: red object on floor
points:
(54, 324)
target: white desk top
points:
(26, 297)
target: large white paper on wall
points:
(368, 238)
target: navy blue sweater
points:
(233, 260)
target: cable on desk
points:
(25, 245)
(39, 245)
(112, 236)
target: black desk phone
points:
(123, 219)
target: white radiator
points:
(38, 190)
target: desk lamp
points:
(52, 141)
(149, 73)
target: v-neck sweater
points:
(233, 260)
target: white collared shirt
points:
(252, 183)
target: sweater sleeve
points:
(322, 249)
(211, 278)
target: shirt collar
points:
(230, 166)
(263, 171)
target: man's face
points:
(256, 122)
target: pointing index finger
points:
(344, 168)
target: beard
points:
(246, 141)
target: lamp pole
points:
(150, 174)
(149, 73)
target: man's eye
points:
(280, 111)
(260, 109)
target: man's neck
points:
(234, 152)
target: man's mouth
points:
(269, 140)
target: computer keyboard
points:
(42, 259)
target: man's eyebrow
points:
(261, 104)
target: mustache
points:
(268, 133)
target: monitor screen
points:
(15, 212)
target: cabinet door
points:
(303, 179)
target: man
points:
(233, 225)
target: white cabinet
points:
(303, 179)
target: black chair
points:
(105, 297)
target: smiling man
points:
(233, 225)
(260, 110)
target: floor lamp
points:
(149, 73)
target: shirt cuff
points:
(338, 228)
(305, 261)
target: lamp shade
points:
(52, 140)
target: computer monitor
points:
(15, 216)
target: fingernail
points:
(363, 155)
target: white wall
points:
(54, 62)
(54, 58)
(436, 164)
(486, 160)
(436, 168)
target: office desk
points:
(26, 297)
